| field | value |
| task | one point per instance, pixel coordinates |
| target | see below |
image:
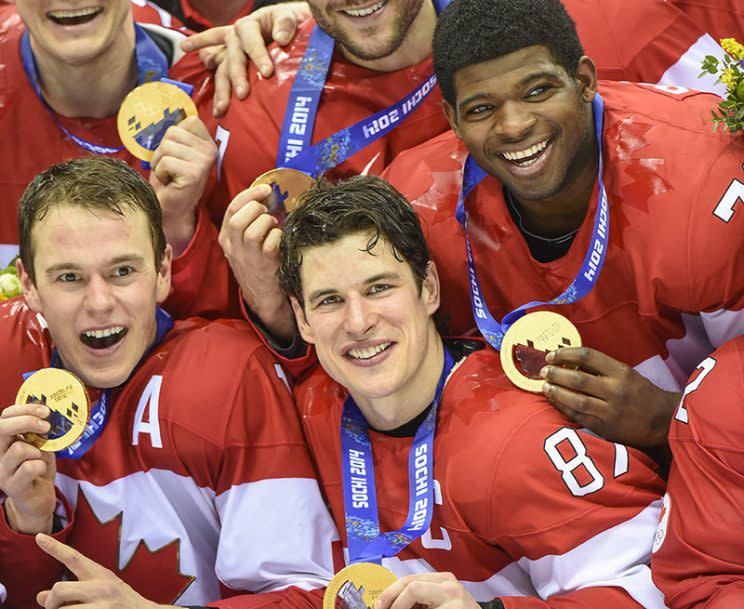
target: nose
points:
(359, 318)
(514, 121)
(99, 297)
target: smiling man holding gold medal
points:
(434, 465)
(179, 472)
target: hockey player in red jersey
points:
(697, 560)
(523, 508)
(669, 225)
(65, 74)
(649, 41)
(192, 480)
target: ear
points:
(30, 293)
(451, 115)
(302, 325)
(163, 280)
(430, 288)
(586, 77)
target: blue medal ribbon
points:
(99, 410)
(366, 543)
(152, 64)
(588, 274)
(295, 151)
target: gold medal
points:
(529, 340)
(286, 187)
(357, 586)
(147, 112)
(65, 396)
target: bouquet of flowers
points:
(10, 284)
(730, 72)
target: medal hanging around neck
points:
(68, 402)
(357, 586)
(524, 339)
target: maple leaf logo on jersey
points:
(153, 573)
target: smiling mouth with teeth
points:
(364, 12)
(102, 339)
(527, 156)
(74, 17)
(368, 352)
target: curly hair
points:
(469, 32)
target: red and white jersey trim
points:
(616, 557)
(277, 515)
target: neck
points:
(565, 212)
(94, 89)
(392, 411)
(415, 47)
(218, 12)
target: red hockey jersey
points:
(528, 508)
(699, 551)
(720, 18)
(32, 141)
(671, 285)
(200, 484)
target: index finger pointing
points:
(81, 566)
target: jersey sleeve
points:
(715, 255)
(699, 551)
(267, 495)
(202, 283)
(26, 569)
(577, 514)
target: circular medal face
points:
(357, 586)
(65, 396)
(147, 112)
(286, 186)
(529, 340)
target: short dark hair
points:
(91, 183)
(469, 32)
(327, 213)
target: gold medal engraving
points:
(529, 340)
(147, 112)
(286, 187)
(357, 586)
(65, 396)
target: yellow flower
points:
(733, 48)
(728, 78)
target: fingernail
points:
(550, 356)
(282, 37)
(546, 388)
(42, 411)
(240, 90)
(544, 372)
(378, 604)
(265, 70)
(43, 425)
(186, 45)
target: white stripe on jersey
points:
(684, 73)
(280, 535)
(616, 557)
(723, 325)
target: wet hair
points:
(363, 204)
(92, 183)
(469, 32)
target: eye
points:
(123, 271)
(479, 109)
(329, 300)
(379, 287)
(539, 90)
(68, 277)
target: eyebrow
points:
(370, 280)
(521, 83)
(71, 266)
